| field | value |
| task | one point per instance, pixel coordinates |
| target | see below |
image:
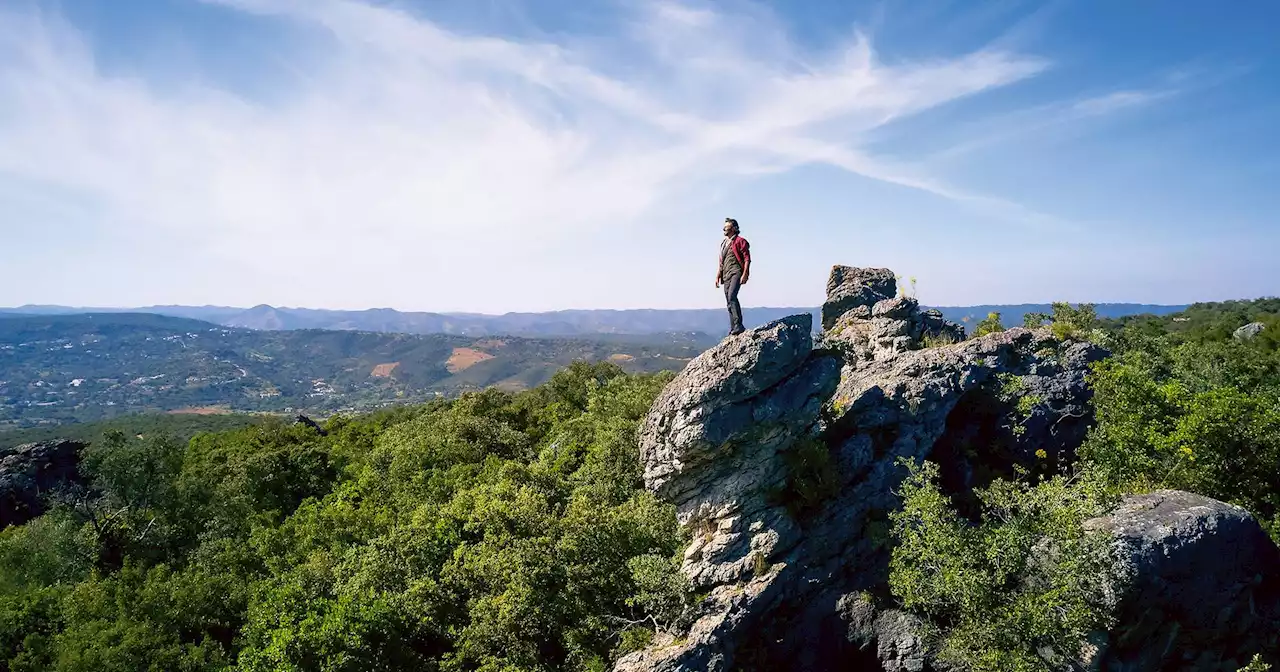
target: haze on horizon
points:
(520, 156)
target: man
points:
(733, 271)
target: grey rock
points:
(30, 472)
(889, 327)
(716, 444)
(849, 288)
(935, 326)
(709, 413)
(1198, 585)
(1249, 331)
(1197, 582)
(895, 636)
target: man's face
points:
(728, 229)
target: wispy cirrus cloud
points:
(396, 140)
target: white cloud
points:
(401, 145)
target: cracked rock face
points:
(793, 589)
(850, 288)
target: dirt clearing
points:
(465, 358)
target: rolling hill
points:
(563, 323)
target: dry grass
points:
(384, 370)
(465, 358)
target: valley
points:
(75, 368)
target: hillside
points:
(1071, 497)
(180, 426)
(558, 323)
(1210, 322)
(62, 368)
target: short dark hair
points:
(732, 221)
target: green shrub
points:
(990, 325)
(1075, 323)
(1162, 423)
(1023, 582)
(1256, 664)
(812, 478)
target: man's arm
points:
(746, 260)
(720, 264)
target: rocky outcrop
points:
(715, 439)
(1198, 583)
(863, 316)
(849, 288)
(31, 471)
(780, 455)
(1248, 331)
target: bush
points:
(1172, 419)
(990, 325)
(1015, 591)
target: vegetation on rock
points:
(990, 325)
(1180, 404)
(999, 594)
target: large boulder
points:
(781, 458)
(1248, 331)
(31, 471)
(1199, 584)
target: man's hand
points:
(744, 278)
(717, 281)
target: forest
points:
(503, 531)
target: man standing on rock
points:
(733, 271)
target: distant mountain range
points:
(565, 323)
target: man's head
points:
(730, 226)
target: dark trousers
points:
(731, 286)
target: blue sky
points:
(500, 155)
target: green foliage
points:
(1011, 390)
(1256, 664)
(812, 478)
(1204, 323)
(1075, 323)
(1181, 404)
(180, 426)
(1023, 583)
(1204, 418)
(1035, 319)
(662, 591)
(938, 340)
(1079, 322)
(990, 325)
(496, 531)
